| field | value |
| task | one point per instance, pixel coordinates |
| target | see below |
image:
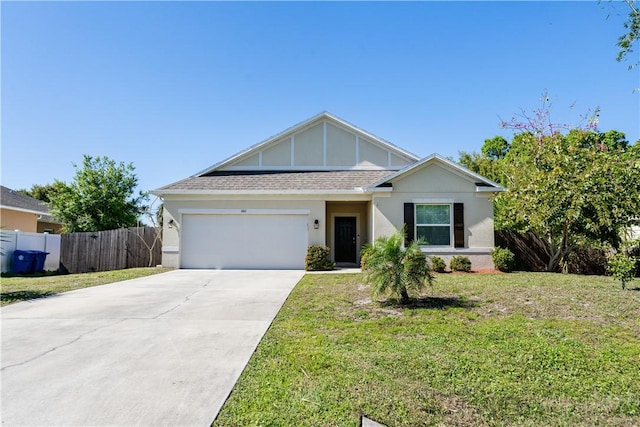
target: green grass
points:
(15, 289)
(501, 349)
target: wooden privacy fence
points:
(110, 250)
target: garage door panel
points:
(270, 241)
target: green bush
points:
(437, 264)
(317, 259)
(503, 259)
(622, 267)
(460, 263)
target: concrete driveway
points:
(159, 350)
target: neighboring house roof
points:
(11, 199)
(325, 115)
(280, 182)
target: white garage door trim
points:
(245, 211)
(243, 238)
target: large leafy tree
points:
(566, 187)
(566, 183)
(100, 197)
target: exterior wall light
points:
(316, 224)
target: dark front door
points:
(345, 238)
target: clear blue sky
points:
(175, 87)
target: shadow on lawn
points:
(11, 297)
(438, 303)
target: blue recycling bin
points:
(23, 262)
(39, 258)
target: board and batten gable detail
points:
(323, 142)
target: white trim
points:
(293, 150)
(446, 250)
(375, 190)
(170, 249)
(358, 190)
(244, 211)
(25, 210)
(433, 201)
(324, 144)
(314, 168)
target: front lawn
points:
(15, 289)
(498, 349)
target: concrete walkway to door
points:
(159, 350)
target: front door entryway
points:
(345, 239)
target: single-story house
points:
(323, 182)
(21, 212)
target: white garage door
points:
(251, 240)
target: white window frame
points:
(450, 225)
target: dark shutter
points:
(409, 224)
(458, 225)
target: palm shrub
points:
(364, 254)
(394, 270)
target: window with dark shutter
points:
(458, 225)
(409, 221)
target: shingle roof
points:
(279, 181)
(12, 199)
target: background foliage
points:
(100, 197)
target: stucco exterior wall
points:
(437, 184)
(173, 205)
(16, 220)
(49, 227)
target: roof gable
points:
(481, 183)
(323, 142)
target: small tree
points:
(100, 197)
(154, 217)
(622, 264)
(392, 269)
